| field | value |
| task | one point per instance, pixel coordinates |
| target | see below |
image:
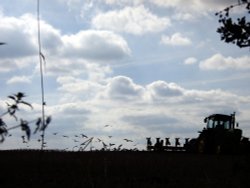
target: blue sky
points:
(145, 67)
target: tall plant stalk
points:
(41, 74)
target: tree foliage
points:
(235, 31)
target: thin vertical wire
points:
(41, 71)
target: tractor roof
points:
(219, 116)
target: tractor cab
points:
(220, 121)
(220, 134)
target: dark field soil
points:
(122, 169)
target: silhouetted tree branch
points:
(235, 31)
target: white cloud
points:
(96, 45)
(79, 88)
(19, 79)
(63, 53)
(9, 64)
(161, 89)
(190, 61)
(219, 62)
(135, 20)
(16, 32)
(176, 39)
(122, 88)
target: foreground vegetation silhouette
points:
(13, 106)
(235, 31)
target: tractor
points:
(221, 135)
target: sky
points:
(122, 68)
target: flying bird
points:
(127, 140)
(99, 140)
(2, 43)
(110, 136)
(107, 125)
(82, 144)
(65, 136)
(84, 136)
(54, 133)
(104, 145)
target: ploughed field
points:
(122, 169)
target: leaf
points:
(26, 128)
(12, 97)
(20, 95)
(12, 112)
(48, 120)
(26, 103)
(38, 123)
(3, 131)
(2, 123)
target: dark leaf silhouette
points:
(17, 99)
(20, 95)
(3, 130)
(38, 123)
(46, 123)
(2, 123)
(12, 97)
(236, 32)
(25, 127)
(12, 108)
(48, 120)
(26, 103)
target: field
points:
(122, 169)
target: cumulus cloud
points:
(176, 39)
(16, 32)
(79, 88)
(96, 45)
(135, 20)
(9, 64)
(220, 62)
(77, 68)
(161, 89)
(65, 53)
(190, 61)
(121, 88)
(19, 79)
